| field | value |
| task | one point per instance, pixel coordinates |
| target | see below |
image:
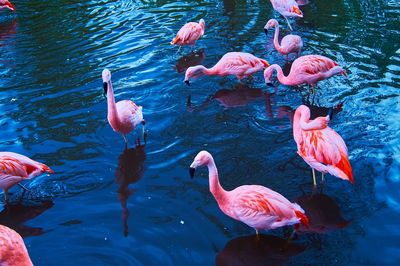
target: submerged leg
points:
(5, 196)
(315, 181)
(22, 186)
(322, 177)
(290, 27)
(257, 235)
(126, 141)
(144, 131)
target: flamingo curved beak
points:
(187, 82)
(330, 113)
(191, 172)
(105, 87)
(10, 6)
(266, 31)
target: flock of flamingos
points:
(321, 147)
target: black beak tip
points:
(270, 84)
(191, 172)
(266, 31)
(330, 113)
(187, 82)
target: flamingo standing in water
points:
(123, 116)
(287, 8)
(189, 34)
(15, 168)
(12, 248)
(257, 206)
(307, 69)
(320, 146)
(7, 4)
(238, 64)
(289, 44)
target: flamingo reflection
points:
(267, 250)
(323, 213)
(16, 215)
(130, 169)
(192, 59)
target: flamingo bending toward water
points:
(307, 69)
(12, 248)
(123, 116)
(257, 206)
(289, 44)
(7, 4)
(320, 146)
(15, 168)
(238, 64)
(287, 8)
(189, 34)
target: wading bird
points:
(257, 206)
(189, 34)
(287, 8)
(12, 248)
(123, 116)
(7, 4)
(320, 146)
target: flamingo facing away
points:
(289, 44)
(15, 168)
(7, 4)
(257, 206)
(320, 146)
(238, 64)
(189, 34)
(12, 248)
(287, 8)
(307, 69)
(123, 116)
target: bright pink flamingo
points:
(189, 34)
(287, 8)
(307, 69)
(320, 146)
(123, 116)
(257, 206)
(7, 4)
(15, 168)
(289, 44)
(12, 248)
(238, 64)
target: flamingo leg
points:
(144, 132)
(313, 175)
(5, 196)
(291, 236)
(290, 27)
(22, 186)
(179, 48)
(322, 177)
(257, 235)
(126, 141)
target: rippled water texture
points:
(110, 206)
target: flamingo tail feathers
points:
(265, 63)
(45, 168)
(303, 218)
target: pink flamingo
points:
(189, 34)
(123, 116)
(7, 4)
(307, 69)
(15, 168)
(12, 248)
(320, 146)
(238, 64)
(289, 44)
(287, 8)
(257, 206)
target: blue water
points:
(110, 206)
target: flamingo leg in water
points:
(290, 27)
(23, 187)
(144, 132)
(257, 235)
(322, 177)
(313, 175)
(126, 141)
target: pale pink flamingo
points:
(289, 44)
(287, 8)
(257, 206)
(12, 248)
(238, 64)
(7, 4)
(307, 69)
(123, 116)
(320, 146)
(15, 168)
(189, 34)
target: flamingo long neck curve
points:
(215, 187)
(276, 36)
(112, 107)
(281, 77)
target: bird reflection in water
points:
(323, 213)
(15, 215)
(267, 250)
(229, 7)
(130, 169)
(193, 59)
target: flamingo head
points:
(272, 23)
(297, 12)
(202, 158)
(268, 75)
(7, 4)
(106, 75)
(193, 72)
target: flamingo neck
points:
(279, 73)
(215, 187)
(276, 42)
(112, 107)
(302, 120)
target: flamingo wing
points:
(189, 33)
(12, 164)
(129, 112)
(314, 64)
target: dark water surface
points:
(107, 206)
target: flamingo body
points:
(12, 248)
(15, 168)
(7, 4)
(123, 116)
(287, 8)
(238, 64)
(320, 146)
(308, 69)
(257, 206)
(189, 33)
(289, 44)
